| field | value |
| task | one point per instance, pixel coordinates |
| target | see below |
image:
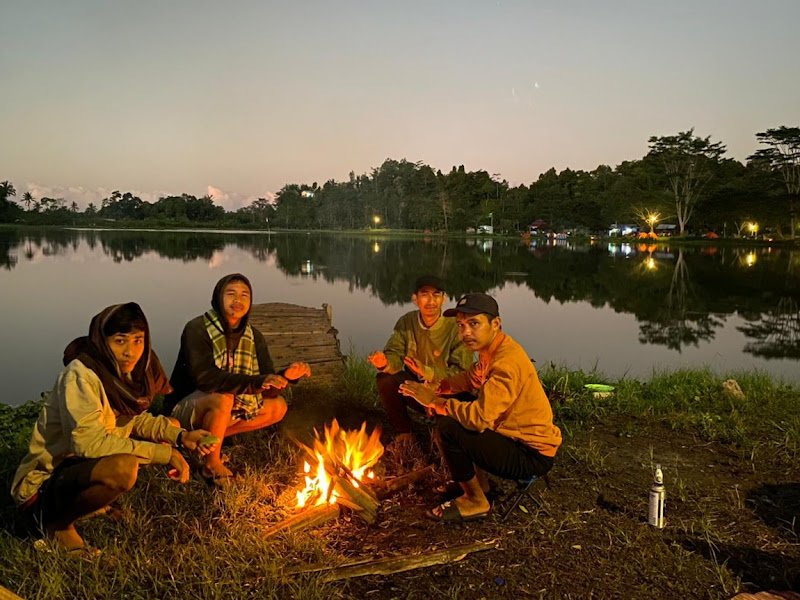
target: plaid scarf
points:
(243, 360)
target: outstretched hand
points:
(415, 366)
(378, 359)
(274, 381)
(297, 370)
(425, 394)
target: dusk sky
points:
(239, 98)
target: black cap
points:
(430, 280)
(473, 304)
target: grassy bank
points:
(729, 462)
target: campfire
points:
(341, 461)
(338, 472)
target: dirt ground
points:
(731, 525)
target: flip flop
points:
(451, 514)
(219, 480)
(85, 552)
(452, 490)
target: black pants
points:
(68, 480)
(494, 453)
(394, 403)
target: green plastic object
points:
(599, 387)
(208, 440)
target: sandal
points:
(219, 480)
(451, 514)
(452, 490)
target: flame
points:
(352, 452)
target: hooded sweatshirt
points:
(79, 419)
(195, 368)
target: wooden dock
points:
(300, 333)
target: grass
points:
(176, 541)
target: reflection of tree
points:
(777, 334)
(676, 325)
(679, 299)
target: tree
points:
(782, 154)
(27, 198)
(7, 190)
(688, 163)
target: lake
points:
(626, 309)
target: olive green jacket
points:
(439, 348)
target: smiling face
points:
(477, 331)
(429, 301)
(127, 349)
(235, 302)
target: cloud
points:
(230, 201)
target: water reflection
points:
(680, 297)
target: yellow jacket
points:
(77, 420)
(510, 400)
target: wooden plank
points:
(300, 333)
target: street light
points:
(376, 219)
(652, 218)
(753, 227)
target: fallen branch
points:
(310, 517)
(6, 594)
(393, 486)
(393, 564)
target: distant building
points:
(307, 194)
(666, 229)
(622, 230)
(538, 226)
(486, 229)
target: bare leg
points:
(473, 501)
(213, 413)
(272, 411)
(111, 477)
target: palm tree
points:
(73, 207)
(7, 190)
(27, 198)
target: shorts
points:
(68, 480)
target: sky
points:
(237, 99)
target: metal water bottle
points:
(658, 501)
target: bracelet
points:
(179, 440)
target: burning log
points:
(398, 484)
(365, 505)
(394, 564)
(311, 517)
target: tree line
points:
(684, 179)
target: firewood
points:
(393, 564)
(309, 517)
(393, 486)
(356, 495)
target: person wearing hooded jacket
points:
(224, 379)
(93, 432)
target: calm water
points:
(625, 308)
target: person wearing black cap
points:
(424, 346)
(224, 380)
(507, 431)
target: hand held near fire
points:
(274, 381)
(415, 367)
(180, 468)
(297, 370)
(378, 359)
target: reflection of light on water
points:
(376, 247)
(620, 250)
(651, 263)
(750, 259)
(486, 245)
